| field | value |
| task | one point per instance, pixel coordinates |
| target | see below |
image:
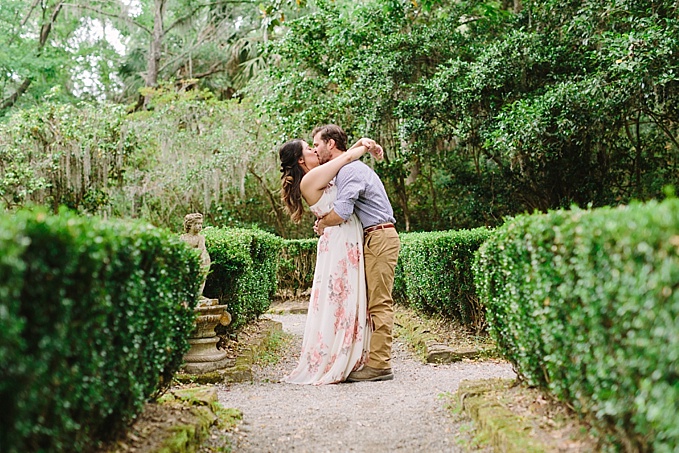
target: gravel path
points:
(405, 414)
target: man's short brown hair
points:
(332, 131)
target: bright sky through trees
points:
(87, 74)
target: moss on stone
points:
(213, 377)
(228, 417)
(503, 429)
(181, 439)
(203, 400)
(187, 437)
(431, 345)
(202, 396)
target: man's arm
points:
(372, 146)
(330, 219)
(364, 141)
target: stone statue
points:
(193, 225)
(203, 356)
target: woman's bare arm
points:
(314, 183)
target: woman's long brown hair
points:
(291, 176)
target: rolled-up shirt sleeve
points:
(349, 187)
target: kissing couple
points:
(348, 332)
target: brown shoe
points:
(367, 374)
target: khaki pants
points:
(381, 249)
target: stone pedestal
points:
(204, 357)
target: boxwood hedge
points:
(586, 304)
(94, 319)
(297, 265)
(434, 274)
(243, 271)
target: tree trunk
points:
(403, 201)
(517, 6)
(153, 60)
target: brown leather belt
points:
(381, 226)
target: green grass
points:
(275, 343)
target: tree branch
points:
(205, 5)
(184, 18)
(11, 100)
(183, 54)
(30, 13)
(662, 126)
(114, 16)
(273, 199)
(214, 69)
(23, 22)
(45, 31)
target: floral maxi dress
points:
(336, 336)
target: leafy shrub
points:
(297, 266)
(94, 319)
(60, 154)
(434, 274)
(243, 271)
(586, 305)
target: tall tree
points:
(24, 33)
(122, 46)
(497, 108)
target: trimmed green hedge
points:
(298, 262)
(434, 274)
(243, 271)
(94, 319)
(586, 305)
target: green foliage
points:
(585, 304)
(61, 154)
(243, 271)
(91, 50)
(30, 56)
(434, 274)
(358, 66)
(486, 112)
(297, 265)
(95, 318)
(193, 153)
(197, 154)
(485, 109)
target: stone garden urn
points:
(204, 357)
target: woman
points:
(336, 336)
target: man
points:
(360, 190)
